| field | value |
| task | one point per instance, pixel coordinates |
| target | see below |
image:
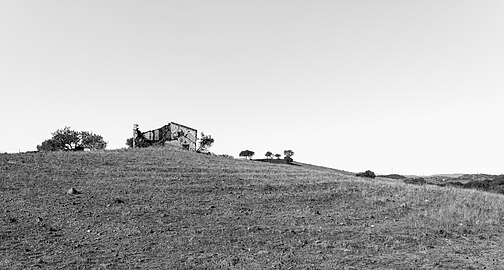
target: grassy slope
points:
(162, 208)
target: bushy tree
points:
(278, 156)
(288, 155)
(68, 139)
(247, 153)
(205, 142)
(269, 154)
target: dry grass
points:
(171, 209)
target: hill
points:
(447, 175)
(172, 209)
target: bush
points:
(368, 174)
(205, 142)
(415, 181)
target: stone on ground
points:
(72, 191)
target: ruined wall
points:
(186, 136)
(174, 134)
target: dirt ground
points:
(170, 209)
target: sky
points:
(392, 86)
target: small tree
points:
(278, 156)
(288, 155)
(247, 154)
(68, 139)
(269, 154)
(205, 142)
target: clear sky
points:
(409, 87)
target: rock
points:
(73, 191)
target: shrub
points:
(139, 142)
(205, 142)
(288, 159)
(415, 181)
(367, 173)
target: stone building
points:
(172, 133)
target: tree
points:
(205, 142)
(68, 139)
(269, 154)
(247, 153)
(288, 155)
(278, 156)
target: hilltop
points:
(163, 208)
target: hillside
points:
(172, 209)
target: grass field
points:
(172, 209)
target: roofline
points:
(183, 126)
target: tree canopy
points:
(247, 153)
(68, 139)
(288, 153)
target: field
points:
(173, 209)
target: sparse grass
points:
(172, 209)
